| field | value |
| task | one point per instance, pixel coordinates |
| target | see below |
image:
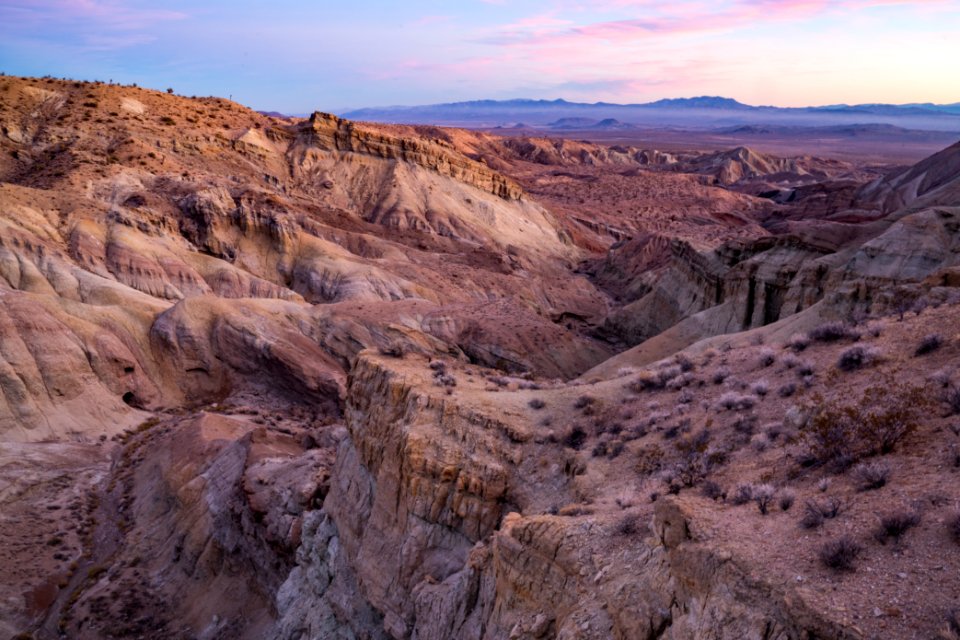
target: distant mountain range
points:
(704, 112)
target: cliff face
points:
(752, 284)
(436, 527)
(329, 132)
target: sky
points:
(295, 56)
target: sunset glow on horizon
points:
(296, 56)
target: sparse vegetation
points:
(857, 357)
(721, 374)
(840, 554)
(832, 332)
(815, 513)
(786, 499)
(894, 525)
(929, 344)
(841, 434)
(735, 401)
(656, 379)
(951, 396)
(742, 494)
(712, 490)
(871, 475)
(767, 357)
(583, 401)
(763, 495)
(575, 438)
(787, 390)
(951, 626)
(797, 343)
(953, 526)
(629, 524)
(812, 516)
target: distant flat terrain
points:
(862, 144)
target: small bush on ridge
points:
(929, 344)
(840, 554)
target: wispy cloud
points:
(92, 24)
(289, 55)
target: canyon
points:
(268, 377)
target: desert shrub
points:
(759, 443)
(951, 626)
(832, 332)
(681, 381)
(805, 369)
(840, 554)
(583, 402)
(894, 525)
(953, 526)
(812, 517)
(951, 396)
(857, 357)
(721, 374)
(767, 357)
(823, 485)
(787, 390)
(941, 377)
(830, 508)
(871, 475)
(742, 494)
(575, 438)
(791, 361)
(615, 449)
(797, 343)
(649, 460)
(629, 524)
(929, 344)
(536, 404)
(842, 434)
(786, 499)
(712, 490)
(645, 381)
(760, 388)
(691, 469)
(685, 397)
(445, 380)
(745, 424)
(734, 401)
(686, 364)
(814, 513)
(763, 495)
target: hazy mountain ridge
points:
(698, 112)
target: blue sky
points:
(296, 56)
